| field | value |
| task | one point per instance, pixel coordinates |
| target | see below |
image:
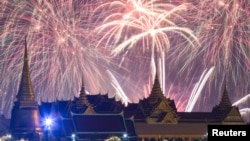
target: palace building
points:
(99, 117)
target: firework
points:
(197, 89)
(222, 28)
(116, 45)
(139, 33)
(243, 102)
(59, 48)
(141, 25)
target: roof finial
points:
(26, 50)
(82, 91)
(226, 73)
(225, 82)
(82, 81)
(156, 66)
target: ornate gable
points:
(163, 113)
(89, 110)
(233, 117)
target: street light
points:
(125, 136)
(73, 136)
(48, 123)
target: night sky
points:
(196, 47)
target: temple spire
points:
(156, 92)
(25, 92)
(82, 92)
(225, 102)
(82, 104)
(157, 85)
(83, 100)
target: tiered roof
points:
(25, 96)
(81, 104)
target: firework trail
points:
(197, 89)
(243, 104)
(245, 113)
(120, 93)
(222, 28)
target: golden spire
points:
(82, 103)
(156, 92)
(225, 102)
(25, 92)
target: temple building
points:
(94, 117)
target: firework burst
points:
(141, 25)
(140, 33)
(60, 52)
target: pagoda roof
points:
(102, 103)
(204, 117)
(99, 125)
(130, 110)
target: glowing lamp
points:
(125, 135)
(48, 122)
